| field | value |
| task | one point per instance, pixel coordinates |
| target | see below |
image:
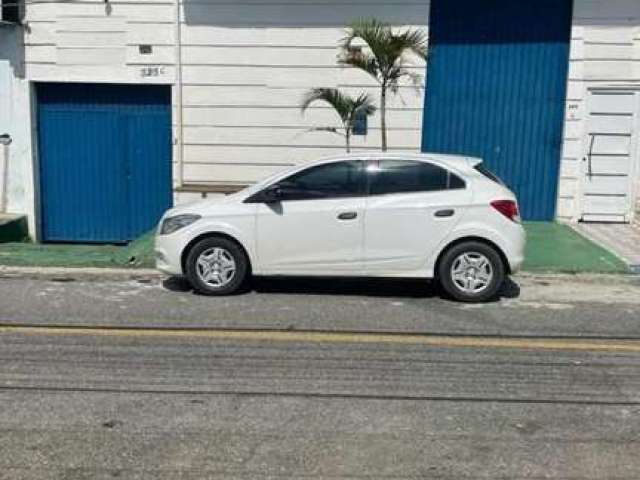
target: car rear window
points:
(488, 173)
(405, 176)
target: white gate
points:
(611, 160)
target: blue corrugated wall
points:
(496, 88)
(105, 160)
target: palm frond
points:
(363, 105)
(341, 103)
(371, 31)
(347, 107)
(414, 41)
(364, 61)
(398, 72)
(386, 49)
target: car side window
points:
(331, 180)
(404, 176)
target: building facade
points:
(134, 105)
(16, 183)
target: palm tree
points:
(384, 59)
(348, 108)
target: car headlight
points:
(173, 224)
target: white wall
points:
(15, 120)
(605, 51)
(246, 68)
(98, 41)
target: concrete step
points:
(13, 227)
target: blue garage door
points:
(105, 160)
(496, 88)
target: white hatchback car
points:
(381, 215)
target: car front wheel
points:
(471, 272)
(216, 266)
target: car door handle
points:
(347, 215)
(445, 213)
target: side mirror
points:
(272, 194)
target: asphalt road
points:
(600, 306)
(101, 380)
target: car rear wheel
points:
(217, 266)
(471, 272)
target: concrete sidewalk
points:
(621, 239)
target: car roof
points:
(447, 159)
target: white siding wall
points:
(98, 41)
(246, 67)
(605, 50)
(15, 120)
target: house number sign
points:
(152, 72)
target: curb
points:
(82, 273)
(106, 274)
(582, 277)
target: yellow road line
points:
(628, 346)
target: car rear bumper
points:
(515, 264)
(515, 251)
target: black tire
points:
(238, 279)
(456, 291)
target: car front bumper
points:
(168, 253)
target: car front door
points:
(411, 207)
(315, 224)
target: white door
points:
(316, 228)
(611, 158)
(411, 207)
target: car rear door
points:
(317, 226)
(411, 207)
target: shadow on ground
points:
(364, 287)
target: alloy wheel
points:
(472, 272)
(216, 267)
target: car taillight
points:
(508, 208)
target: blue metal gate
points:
(496, 88)
(105, 160)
